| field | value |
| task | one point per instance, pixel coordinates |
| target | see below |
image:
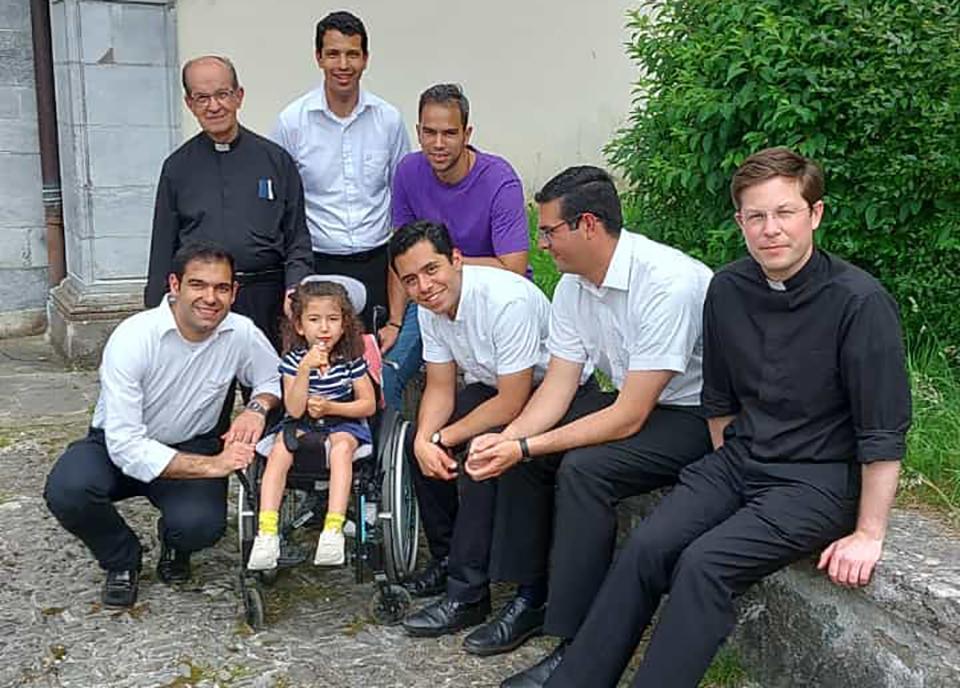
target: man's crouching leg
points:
(193, 517)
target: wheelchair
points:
(382, 526)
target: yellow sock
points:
(268, 522)
(334, 522)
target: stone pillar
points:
(23, 256)
(118, 110)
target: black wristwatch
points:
(257, 407)
(524, 450)
(437, 440)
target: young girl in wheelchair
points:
(325, 390)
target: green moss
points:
(224, 676)
(725, 671)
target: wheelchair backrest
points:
(371, 354)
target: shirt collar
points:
(169, 323)
(466, 291)
(224, 147)
(318, 101)
(808, 273)
(618, 271)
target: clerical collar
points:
(227, 147)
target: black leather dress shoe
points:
(513, 625)
(429, 582)
(120, 588)
(173, 565)
(446, 616)
(537, 675)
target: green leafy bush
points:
(868, 88)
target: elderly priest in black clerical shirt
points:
(232, 187)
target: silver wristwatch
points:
(257, 407)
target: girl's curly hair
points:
(350, 345)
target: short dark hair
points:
(446, 94)
(778, 162)
(413, 233)
(225, 61)
(346, 23)
(585, 189)
(205, 251)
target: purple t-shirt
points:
(484, 211)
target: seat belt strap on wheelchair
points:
(289, 434)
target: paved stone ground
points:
(54, 632)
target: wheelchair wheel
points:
(253, 607)
(401, 516)
(412, 394)
(389, 605)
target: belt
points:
(360, 257)
(245, 277)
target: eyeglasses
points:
(203, 99)
(757, 219)
(546, 233)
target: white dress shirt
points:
(347, 167)
(158, 389)
(500, 328)
(647, 315)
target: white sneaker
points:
(265, 552)
(330, 548)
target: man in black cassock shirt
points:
(808, 401)
(229, 186)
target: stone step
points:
(797, 628)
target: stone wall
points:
(23, 255)
(118, 111)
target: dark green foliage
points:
(868, 88)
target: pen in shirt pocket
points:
(265, 188)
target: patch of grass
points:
(931, 472)
(196, 673)
(355, 625)
(725, 671)
(5, 440)
(545, 273)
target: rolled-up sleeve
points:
(874, 373)
(260, 365)
(121, 391)
(718, 396)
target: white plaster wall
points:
(548, 80)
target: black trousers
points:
(262, 301)
(84, 484)
(730, 521)
(458, 515)
(524, 525)
(370, 267)
(590, 482)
